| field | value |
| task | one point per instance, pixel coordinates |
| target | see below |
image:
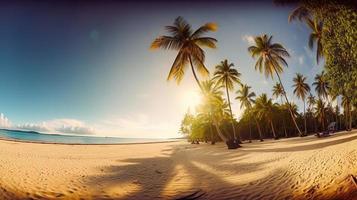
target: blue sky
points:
(86, 68)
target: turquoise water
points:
(33, 136)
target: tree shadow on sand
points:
(213, 175)
(324, 142)
(152, 179)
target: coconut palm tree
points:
(347, 107)
(225, 76)
(265, 110)
(271, 60)
(301, 89)
(279, 92)
(246, 99)
(321, 85)
(189, 45)
(315, 36)
(302, 13)
(311, 101)
(214, 106)
(320, 111)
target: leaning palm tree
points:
(265, 109)
(271, 60)
(246, 99)
(189, 45)
(315, 36)
(279, 92)
(320, 111)
(302, 13)
(226, 76)
(301, 89)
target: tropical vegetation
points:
(333, 35)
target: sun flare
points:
(191, 99)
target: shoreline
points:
(59, 143)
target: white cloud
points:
(4, 121)
(248, 38)
(72, 126)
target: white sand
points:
(296, 168)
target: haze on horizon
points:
(86, 67)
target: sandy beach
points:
(295, 168)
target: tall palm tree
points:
(279, 92)
(321, 85)
(265, 109)
(302, 13)
(226, 76)
(320, 111)
(189, 45)
(246, 99)
(301, 89)
(315, 36)
(214, 106)
(311, 101)
(347, 107)
(271, 60)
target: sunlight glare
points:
(191, 99)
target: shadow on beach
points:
(160, 177)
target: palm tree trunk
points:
(305, 118)
(250, 131)
(230, 111)
(272, 128)
(220, 133)
(286, 134)
(194, 73)
(212, 137)
(260, 132)
(350, 118)
(286, 98)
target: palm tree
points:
(189, 45)
(226, 76)
(271, 60)
(246, 99)
(301, 89)
(320, 112)
(321, 85)
(347, 107)
(214, 106)
(265, 109)
(315, 36)
(302, 13)
(279, 92)
(311, 101)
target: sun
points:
(191, 99)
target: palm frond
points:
(204, 29)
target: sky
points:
(85, 67)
